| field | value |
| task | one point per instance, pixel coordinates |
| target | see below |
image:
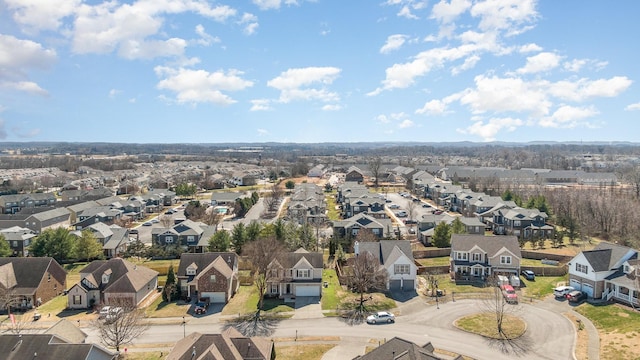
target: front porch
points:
(621, 293)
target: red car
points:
(199, 310)
(509, 294)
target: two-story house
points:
(112, 282)
(19, 239)
(295, 274)
(32, 281)
(11, 204)
(600, 271)
(350, 227)
(213, 275)
(521, 222)
(475, 257)
(187, 234)
(397, 258)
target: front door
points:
(288, 289)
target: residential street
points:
(549, 335)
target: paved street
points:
(549, 334)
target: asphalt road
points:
(549, 334)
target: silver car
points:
(562, 291)
(381, 317)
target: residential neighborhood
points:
(187, 262)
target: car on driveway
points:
(509, 294)
(436, 212)
(426, 206)
(576, 296)
(402, 214)
(529, 275)
(561, 291)
(394, 206)
(381, 317)
(199, 310)
(148, 223)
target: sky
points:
(303, 71)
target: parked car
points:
(509, 294)
(562, 291)
(394, 206)
(436, 212)
(576, 296)
(426, 206)
(529, 275)
(410, 221)
(401, 214)
(110, 312)
(148, 223)
(381, 317)
(199, 310)
(155, 221)
(170, 211)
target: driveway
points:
(307, 307)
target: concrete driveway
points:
(307, 307)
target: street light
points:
(184, 328)
(437, 295)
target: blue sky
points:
(197, 71)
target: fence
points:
(433, 270)
(431, 253)
(547, 270)
(527, 254)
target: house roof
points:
(68, 331)
(202, 260)
(383, 250)
(400, 349)
(490, 244)
(220, 265)
(49, 347)
(229, 345)
(606, 256)
(51, 214)
(288, 260)
(29, 272)
(123, 276)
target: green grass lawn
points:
(611, 317)
(302, 351)
(485, 324)
(437, 261)
(541, 287)
(243, 302)
(161, 309)
(332, 213)
(330, 298)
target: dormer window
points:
(627, 269)
(191, 271)
(105, 276)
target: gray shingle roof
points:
(490, 244)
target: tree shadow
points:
(354, 317)
(255, 324)
(519, 346)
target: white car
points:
(110, 312)
(562, 291)
(381, 317)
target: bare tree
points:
(375, 163)
(411, 209)
(121, 326)
(366, 235)
(497, 305)
(212, 218)
(273, 200)
(261, 253)
(166, 221)
(366, 275)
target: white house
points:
(599, 272)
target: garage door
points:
(588, 289)
(215, 297)
(394, 285)
(308, 290)
(575, 284)
(408, 285)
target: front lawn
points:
(334, 297)
(611, 317)
(245, 301)
(541, 286)
(436, 261)
(485, 324)
(330, 299)
(303, 351)
(161, 309)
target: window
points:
(461, 255)
(274, 288)
(168, 239)
(303, 273)
(401, 269)
(191, 238)
(212, 278)
(14, 243)
(516, 223)
(191, 271)
(77, 299)
(505, 260)
(582, 268)
(477, 257)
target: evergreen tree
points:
(87, 247)
(56, 243)
(253, 231)
(170, 288)
(220, 241)
(442, 235)
(5, 249)
(238, 237)
(457, 227)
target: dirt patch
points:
(582, 338)
(619, 346)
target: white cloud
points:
(446, 12)
(130, 28)
(383, 119)
(114, 92)
(41, 15)
(513, 16)
(295, 84)
(494, 94)
(18, 55)
(262, 132)
(406, 123)
(205, 38)
(633, 107)
(260, 105)
(405, 12)
(574, 65)
(250, 23)
(26, 86)
(273, 4)
(583, 89)
(531, 47)
(433, 107)
(332, 107)
(394, 42)
(488, 130)
(469, 63)
(196, 86)
(541, 62)
(567, 116)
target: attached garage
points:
(215, 297)
(588, 289)
(398, 285)
(409, 285)
(576, 284)
(394, 285)
(307, 290)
